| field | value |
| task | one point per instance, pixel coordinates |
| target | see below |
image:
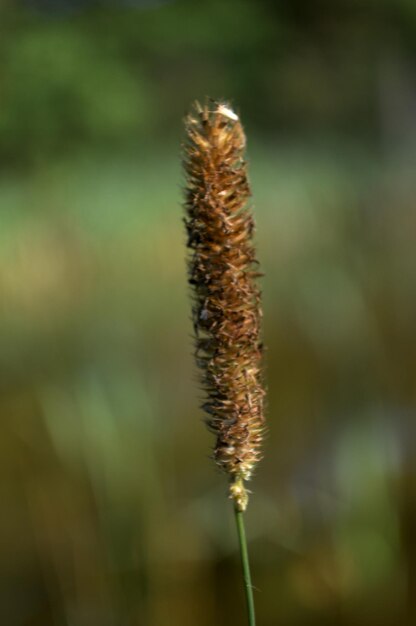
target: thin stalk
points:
(239, 518)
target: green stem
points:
(246, 566)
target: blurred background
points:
(112, 513)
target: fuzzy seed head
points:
(222, 271)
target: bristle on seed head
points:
(223, 109)
(226, 300)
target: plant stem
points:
(246, 566)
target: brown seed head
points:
(226, 306)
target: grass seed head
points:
(222, 271)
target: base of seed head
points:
(239, 494)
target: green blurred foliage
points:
(112, 512)
(107, 75)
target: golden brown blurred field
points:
(112, 511)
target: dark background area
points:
(112, 512)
